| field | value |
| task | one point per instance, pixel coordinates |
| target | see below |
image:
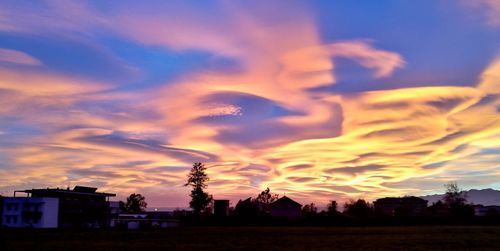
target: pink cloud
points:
(491, 9)
(17, 57)
(490, 78)
(326, 145)
(382, 62)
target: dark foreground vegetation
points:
(259, 238)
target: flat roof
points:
(64, 191)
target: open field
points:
(259, 238)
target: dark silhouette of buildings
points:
(80, 207)
(401, 206)
(285, 207)
(480, 210)
(221, 208)
(248, 208)
(1, 209)
(84, 207)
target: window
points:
(11, 219)
(12, 206)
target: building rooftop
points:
(285, 199)
(80, 190)
(409, 199)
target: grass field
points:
(259, 238)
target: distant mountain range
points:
(484, 197)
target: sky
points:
(317, 100)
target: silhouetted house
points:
(221, 208)
(285, 207)
(401, 206)
(80, 207)
(247, 208)
(480, 210)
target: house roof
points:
(409, 199)
(246, 201)
(285, 199)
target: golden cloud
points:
(261, 126)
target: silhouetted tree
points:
(438, 208)
(456, 201)
(264, 199)
(197, 178)
(209, 209)
(332, 208)
(136, 203)
(454, 195)
(359, 208)
(309, 210)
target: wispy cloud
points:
(490, 8)
(17, 57)
(264, 115)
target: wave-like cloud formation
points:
(259, 114)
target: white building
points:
(36, 212)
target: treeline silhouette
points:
(453, 209)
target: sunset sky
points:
(318, 100)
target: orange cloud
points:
(260, 126)
(41, 84)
